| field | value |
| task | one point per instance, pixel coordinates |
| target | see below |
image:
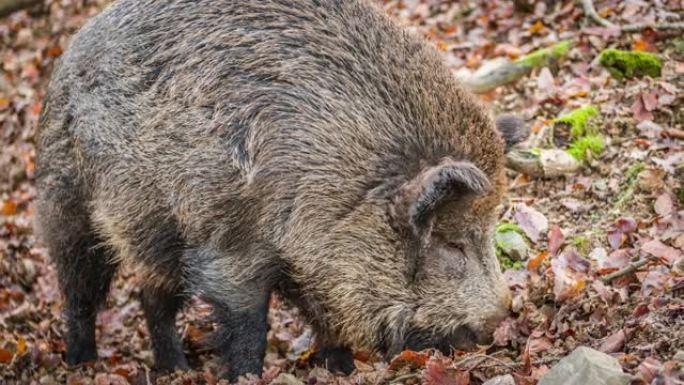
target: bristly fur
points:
(235, 148)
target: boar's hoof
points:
(335, 359)
(76, 355)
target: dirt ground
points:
(625, 206)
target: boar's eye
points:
(456, 246)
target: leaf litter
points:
(625, 209)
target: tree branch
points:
(590, 12)
(632, 267)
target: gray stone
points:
(506, 379)
(586, 366)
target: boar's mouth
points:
(402, 337)
(464, 338)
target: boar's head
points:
(413, 266)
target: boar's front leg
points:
(241, 336)
(335, 359)
(160, 305)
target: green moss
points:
(505, 226)
(679, 193)
(582, 244)
(510, 248)
(507, 263)
(545, 56)
(629, 64)
(578, 120)
(633, 171)
(580, 148)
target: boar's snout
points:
(483, 334)
(466, 336)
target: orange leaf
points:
(123, 372)
(21, 345)
(536, 261)
(536, 27)
(640, 45)
(54, 51)
(5, 356)
(8, 208)
(4, 103)
(36, 108)
(409, 358)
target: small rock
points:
(506, 379)
(512, 244)
(586, 366)
(679, 356)
(286, 379)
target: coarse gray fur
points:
(232, 149)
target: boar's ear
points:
(513, 129)
(415, 203)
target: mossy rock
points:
(630, 64)
(590, 145)
(511, 246)
(578, 120)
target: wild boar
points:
(232, 149)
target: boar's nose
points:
(497, 314)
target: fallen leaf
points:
(531, 221)
(536, 261)
(555, 240)
(649, 369)
(436, 373)
(8, 208)
(663, 205)
(5, 356)
(536, 27)
(409, 358)
(613, 343)
(639, 110)
(661, 250)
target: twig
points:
(482, 358)
(590, 11)
(638, 27)
(632, 267)
(400, 379)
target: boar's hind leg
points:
(84, 268)
(161, 305)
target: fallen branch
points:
(9, 6)
(632, 267)
(402, 379)
(673, 133)
(484, 81)
(543, 163)
(590, 12)
(480, 358)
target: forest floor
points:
(625, 206)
